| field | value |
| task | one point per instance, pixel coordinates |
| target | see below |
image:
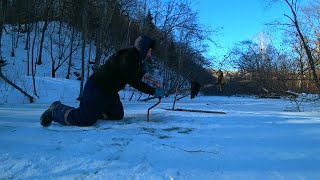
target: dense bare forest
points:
(111, 25)
(257, 67)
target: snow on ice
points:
(255, 139)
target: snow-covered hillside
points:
(17, 65)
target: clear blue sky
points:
(238, 19)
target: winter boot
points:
(46, 117)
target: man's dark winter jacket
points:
(124, 67)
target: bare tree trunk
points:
(44, 28)
(27, 47)
(18, 35)
(16, 87)
(1, 27)
(28, 41)
(71, 52)
(33, 67)
(84, 34)
(82, 63)
(13, 41)
(88, 64)
(98, 51)
(2, 14)
(53, 72)
(131, 95)
(165, 64)
(178, 73)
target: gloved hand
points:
(159, 92)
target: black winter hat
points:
(143, 44)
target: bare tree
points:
(46, 14)
(177, 25)
(263, 69)
(33, 65)
(62, 44)
(294, 8)
(2, 76)
(71, 51)
(83, 48)
(3, 6)
(294, 19)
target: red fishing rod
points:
(148, 113)
(158, 84)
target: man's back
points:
(120, 69)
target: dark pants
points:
(92, 105)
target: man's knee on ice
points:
(116, 116)
(112, 116)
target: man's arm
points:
(133, 72)
(141, 86)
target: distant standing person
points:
(100, 95)
(221, 82)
